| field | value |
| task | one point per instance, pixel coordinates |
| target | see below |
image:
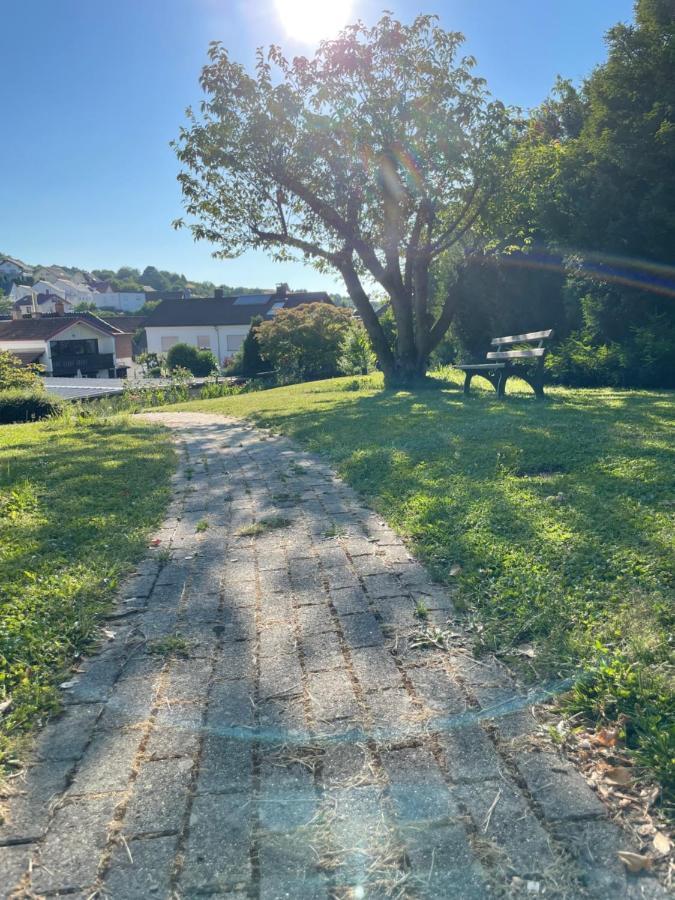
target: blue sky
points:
(91, 93)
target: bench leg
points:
(467, 382)
(501, 384)
(536, 382)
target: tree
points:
(183, 356)
(373, 158)
(13, 374)
(304, 342)
(5, 303)
(252, 362)
(593, 185)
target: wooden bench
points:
(526, 363)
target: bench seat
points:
(472, 366)
(502, 364)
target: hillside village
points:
(74, 325)
(101, 289)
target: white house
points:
(67, 346)
(124, 301)
(19, 291)
(218, 323)
(30, 303)
(12, 268)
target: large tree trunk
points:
(406, 373)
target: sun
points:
(311, 21)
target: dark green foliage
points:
(357, 353)
(199, 362)
(249, 361)
(305, 342)
(27, 405)
(593, 192)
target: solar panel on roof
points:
(251, 300)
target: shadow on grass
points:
(97, 491)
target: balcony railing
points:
(87, 363)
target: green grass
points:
(77, 500)
(557, 516)
(268, 524)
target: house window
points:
(168, 341)
(203, 342)
(234, 341)
(73, 348)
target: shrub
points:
(357, 354)
(305, 342)
(26, 405)
(151, 363)
(13, 374)
(249, 360)
(199, 362)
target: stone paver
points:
(261, 725)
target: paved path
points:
(294, 741)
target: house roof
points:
(41, 300)
(227, 310)
(14, 262)
(151, 294)
(46, 327)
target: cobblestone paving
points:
(263, 724)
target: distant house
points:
(218, 323)
(126, 328)
(19, 291)
(51, 287)
(124, 301)
(153, 295)
(12, 268)
(30, 303)
(69, 345)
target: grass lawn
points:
(559, 514)
(76, 504)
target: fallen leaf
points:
(455, 569)
(634, 862)
(607, 737)
(619, 775)
(155, 542)
(662, 843)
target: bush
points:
(13, 374)
(305, 342)
(151, 364)
(249, 360)
(199, 362)
(22, 405)
(357, 353)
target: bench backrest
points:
(531, 337)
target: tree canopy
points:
(373, 158)
(304, 342)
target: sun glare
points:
(311, 21)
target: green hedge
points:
(27, 406)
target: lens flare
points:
(310, 21)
